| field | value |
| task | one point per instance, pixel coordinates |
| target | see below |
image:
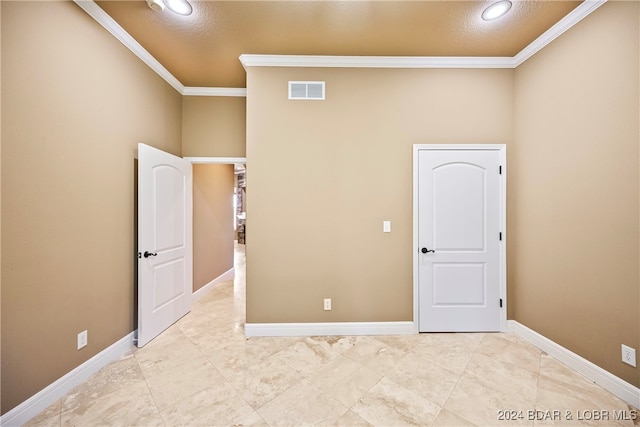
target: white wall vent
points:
(306, 90)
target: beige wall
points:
(213, 126)
(573, 242)
(212, 222)
(75, 104)
(322, 176)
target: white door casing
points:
(459, 212)
(165, 258)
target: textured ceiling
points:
(203, 49)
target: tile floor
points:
(203, 372)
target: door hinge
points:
(500, 169)
(500, 235)
(500, 302)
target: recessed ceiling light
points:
(156, 5)
(494, 11)
(181, 7)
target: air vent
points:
(306, 90)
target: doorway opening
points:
(219, 231)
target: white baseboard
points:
(605, 379)
(47, 396)
(327, 329)
(227, 275)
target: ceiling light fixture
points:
(181, 7)
(496, 10)
(156, 5)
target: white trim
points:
(216, 160)
(37, 403)
(502, 148)
(576, 15)
(227, 275)
(319, 61)
(328, 329)
(125, 38)
(215, 91)
(605, 379)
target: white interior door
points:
(165, 267)
(460, 240)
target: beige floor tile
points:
(272, 345)
(50, 417)
(338, 344)
(375, 355)
(236, 356)
(303, 404)
(40, 421)
(405, 343)
(449, 419)
(578, 403)
(511, 349)
(389, 404)
(426, 378)
(575, 383)
(466, 341)
(214, 406)
(165, 338)
(449, 350)
(345, 380)
(208, 339)
(129, 406)
(115, 376)
(157, 359)
(177, 384)
(554, 372)
(306, 356)
(474, 401)
(264, 381)
(351, 419)
(504, 376)
(251, 420)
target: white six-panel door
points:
(460, 241)
(165, 266)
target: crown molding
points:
(215, 91)
(215, 160)
(576, 15)
(375, 61)
(125, 38)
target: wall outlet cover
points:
(629, 355)
(82, 339)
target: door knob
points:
(425, 250)
(147, 254)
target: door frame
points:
(502, 149)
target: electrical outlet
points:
(82, 339)
(327, 304)
(629, 355)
